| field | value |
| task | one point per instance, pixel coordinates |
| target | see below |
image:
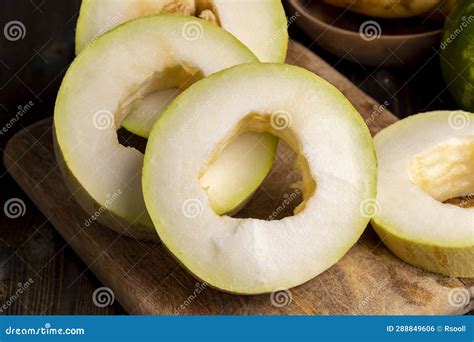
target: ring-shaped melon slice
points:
(335, 157)
(105, 82)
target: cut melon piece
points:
(106, 82)
(261, 25)
(335, 158)
(424, 161)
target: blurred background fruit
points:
(457, 54)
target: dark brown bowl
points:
(367, 40)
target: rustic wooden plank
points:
(147, 280)
(32, 253)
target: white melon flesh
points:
(260, 24)
(336, 161)
(105, 83)
(425, 160)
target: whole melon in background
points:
(457, 54)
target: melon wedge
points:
(425, 161)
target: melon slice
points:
(106, 82)
(426, 161)
(335, 157)
(261, 25)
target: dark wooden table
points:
(31, 69)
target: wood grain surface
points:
(147, 280)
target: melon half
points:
(107, 80)
(335, 158)
(426, 161)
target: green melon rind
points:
(135, 128)
(449, 261)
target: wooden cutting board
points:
(147, 280)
